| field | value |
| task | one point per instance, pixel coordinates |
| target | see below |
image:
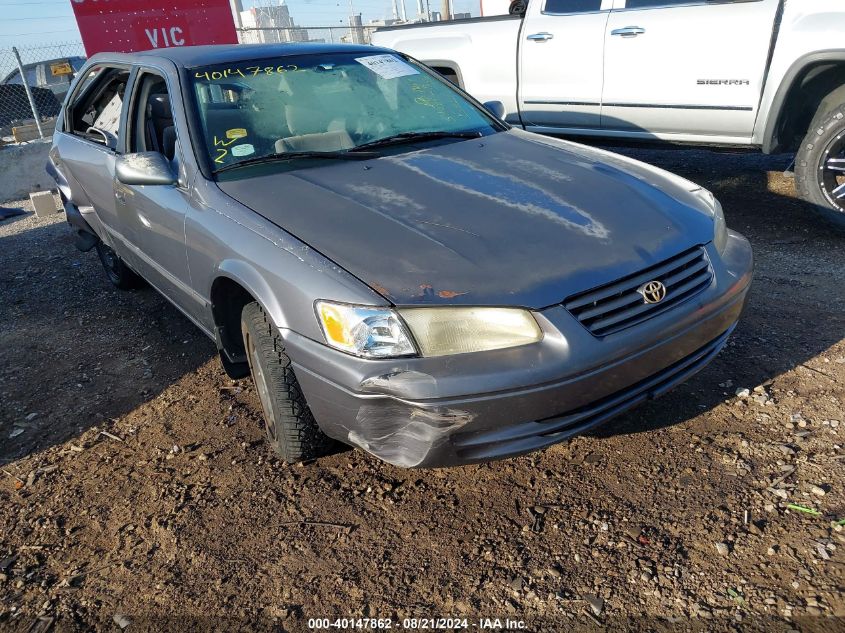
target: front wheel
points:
(820, 167)
(291, 429)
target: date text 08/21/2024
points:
(420, 624)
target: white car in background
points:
(768, 74)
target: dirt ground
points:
(137, 492)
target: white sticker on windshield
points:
(387, 66)
(245, 149)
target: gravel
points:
(142, 492)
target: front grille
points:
(619, 305)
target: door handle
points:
(540, 37)
(628, 31)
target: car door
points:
(561, 59)
(86, 158)
(154, 215)
(693, 68)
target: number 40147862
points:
(251, 71)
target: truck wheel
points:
(291, 429)
(820, 167)
(116, 269)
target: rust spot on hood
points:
(384, 292)
(450, 294)
(427, 291)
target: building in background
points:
(356, 31)
(270, 25)
(399, 11)
(237, 9)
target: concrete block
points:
(22, 169)
(44, 203)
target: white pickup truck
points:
(768, 74)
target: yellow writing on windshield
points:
(221, 147)
(249, 71)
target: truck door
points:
(561, 58)
(691, 68)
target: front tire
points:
(820, 167)
(116, 269)
(291, 429)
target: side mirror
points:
(496, 108)
(144, 168)
(518, 7)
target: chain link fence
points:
(33, 83)
(355, 34)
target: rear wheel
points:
(116, 269)
(291, 429)
(820, 167)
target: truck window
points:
(563, 7)
(646, 4)
(31, 79)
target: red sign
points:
(125, 26)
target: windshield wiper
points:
(411, 137)
(284, 156)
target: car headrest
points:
(303, 120)
(160, 105)
(334, 141)
(168, 141)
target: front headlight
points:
(371, 332)
(720, 229)
(364, 331)
(458, 330)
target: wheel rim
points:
(260, 382)
(110, 262)
(832, 173)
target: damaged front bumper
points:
(432, 412)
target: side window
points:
(31, 76)
(151, 117)
(571, 6)
(654, 4)
(86, 81)
(98, 103)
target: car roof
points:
(192, 56)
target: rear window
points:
(572, 6)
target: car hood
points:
(508, 219)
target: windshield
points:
(332, 102)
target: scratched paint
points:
(403, 435)
(502, 188)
